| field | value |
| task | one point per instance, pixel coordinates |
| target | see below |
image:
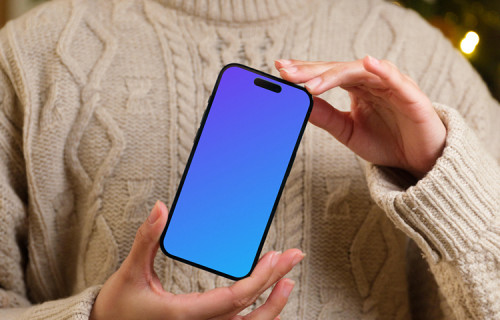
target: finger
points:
(300, 73)
(143, 252)
(274, 303)
(405, 89)
(222, 301)
(242, 317)
(281, 63)
(339, 124)
(377, 96)
(346, 74)
(264, 277)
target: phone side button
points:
(196, 136)
(201, 120)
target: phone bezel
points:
(193, 150)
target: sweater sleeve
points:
(14, 288)
(453, 215)
(74, 307)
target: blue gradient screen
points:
(222, 209)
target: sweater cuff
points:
(74, 307)
(454, 209)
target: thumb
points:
(338, 123)
(146, 242)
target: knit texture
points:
(100, 101)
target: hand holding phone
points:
(134, 291)
(242, 154)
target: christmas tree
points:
(473, 27)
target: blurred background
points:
(473, 26)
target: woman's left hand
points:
(391, 122)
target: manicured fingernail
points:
(274, 260)
(284, 62)
(288, 287)
(298, 257)
(288, 70)
(313, 83)
(373, 60)
(155, 213)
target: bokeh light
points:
(469, 42)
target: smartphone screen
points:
(236, 172)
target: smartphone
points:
(240, 160)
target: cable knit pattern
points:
(468, 241)
(100, 102)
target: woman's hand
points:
(135, 292)
(391, 122)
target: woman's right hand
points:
(134, 291)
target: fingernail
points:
(155, 213)
(275, 258)
(298, 257)
(313, 83)
(373, 60)
(288, 287)
(284, 62)
(288, 70)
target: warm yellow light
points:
(469, 42)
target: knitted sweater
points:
(100, 101)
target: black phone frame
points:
(193, 150)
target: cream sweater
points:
(100, 101)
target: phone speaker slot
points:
(267, 85)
